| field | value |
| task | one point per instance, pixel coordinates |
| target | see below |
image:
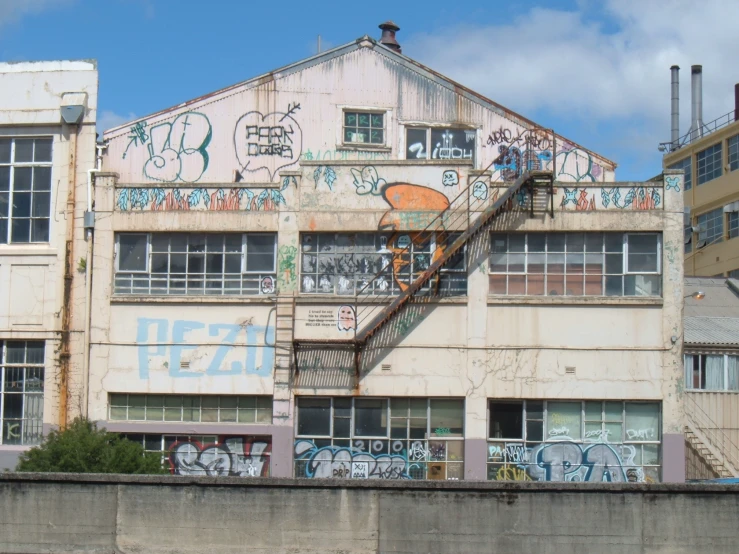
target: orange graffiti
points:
(413, 206)
(171, 203)
(583, 204)
(647, 203)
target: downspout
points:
(64, 353)
(89, 225)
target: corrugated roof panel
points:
(720, 331)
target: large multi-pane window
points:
(25, 189)
(190, 408)
(364, 128)
(687, 166)
(22, 391)
(541, 440)
(711, 226)
(711, 372)
(195, 263)
(709, 163)
(418, 438)
(375, 263)
(576, 264)
(734, 153)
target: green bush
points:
(83, 448)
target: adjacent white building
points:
(47, 146)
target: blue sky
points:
(596, 72)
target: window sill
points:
(575, 300)
(362, 146)
(335, 299)
(185, 299)
(717, 391)
(27, 249)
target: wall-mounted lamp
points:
(698, 295)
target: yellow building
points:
(710, 158)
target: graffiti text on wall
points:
(169, 346)
(566, 460)
(177, 151)
(230, 456)
(334, 462)
(199, 199)
(268, 142)
(615, 198)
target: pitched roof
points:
(403, 60)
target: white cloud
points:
(108, 119)
(596, 67)
(14, 10)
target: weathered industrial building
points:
(47, 146)
(354, 267)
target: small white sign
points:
(360, 470)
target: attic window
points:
(364, 128)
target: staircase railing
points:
(719, 439)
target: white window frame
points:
(11, 187)
(702, 372)
(148, 276)
(25, 365)
(604, 251)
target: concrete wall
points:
(158, 515)
(31, 97)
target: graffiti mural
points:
(268, 142)
(177, 151)
(330, 462)
(450, 178)
(199, 199)
(229, 456)
(672, 183)
(577, 164)
(562, 459)
(378, 459)
(367, 181)
(518, 151)
(614, 198)
(346, 318)
(287, 273)
(233, 356)
(325, 173)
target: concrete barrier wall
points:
(132, 514)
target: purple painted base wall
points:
(475, 458)
(673, 458)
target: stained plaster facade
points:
(195, 169)
(32, 273)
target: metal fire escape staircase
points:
(711, 442)
(469, 214)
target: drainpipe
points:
(89, 220)
(64, 352)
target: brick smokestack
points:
(388, 36)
